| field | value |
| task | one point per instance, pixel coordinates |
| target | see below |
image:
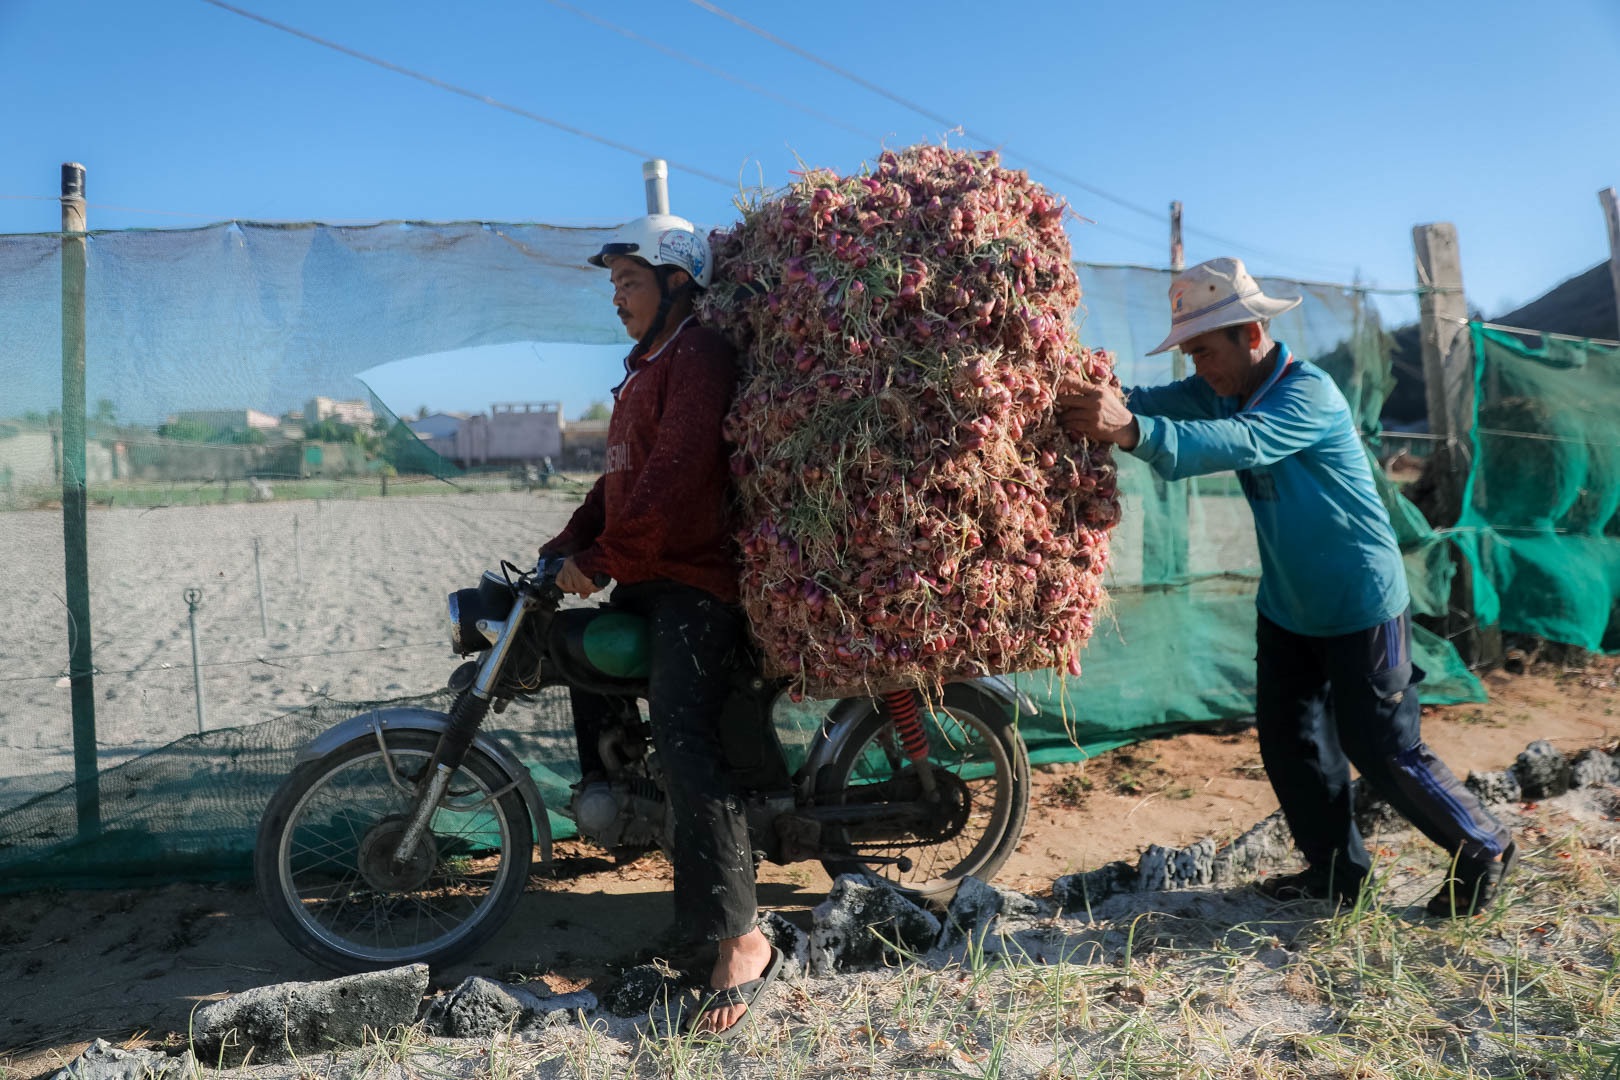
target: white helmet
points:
(662, 240)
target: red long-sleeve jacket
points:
(660, 510)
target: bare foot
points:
(741, 959)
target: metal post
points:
(75, 542)
(258, 573)
(298, 553)
(1611, 214)
(655, 174)
(193, 598)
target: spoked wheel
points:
(326, 861)
(971, 823)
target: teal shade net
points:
(1541, 515)
(352, 543)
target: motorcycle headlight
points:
(492, 601)
(464, 635)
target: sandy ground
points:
(130, 966)
(354, 610)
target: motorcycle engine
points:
(625, 813)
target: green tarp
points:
(1542, 510)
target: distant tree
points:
(330, 430)
(34, 416)
(422, 412)
(380, 425)
(189, 431)
(599, 410)
(247, 437)
(106, 412)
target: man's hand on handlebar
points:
(571, 579)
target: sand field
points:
(354, 608)
(354, 602)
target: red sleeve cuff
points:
(591, 563)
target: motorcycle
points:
(407, 835)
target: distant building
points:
(439, 425)
(357, 413)
(226, 421)
(31, 457)
(584, 445)
(520, 431)
(438, 431)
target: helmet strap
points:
(667, 299)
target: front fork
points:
(471, 706)
(900, 706)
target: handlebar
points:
(546, 569)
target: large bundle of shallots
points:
(911, 511)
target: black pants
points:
(1327, 702)
(692, 644)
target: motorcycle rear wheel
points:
(324, 865)
(982, 774)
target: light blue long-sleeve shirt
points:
(1328, 556)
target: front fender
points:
(367, 724)
(991, 692)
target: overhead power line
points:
(766, 92)
(943, 121)
(707, 5)
(988, 140)
(466, 93)
(703, 65)
(715, 9)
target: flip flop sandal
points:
(747, 994)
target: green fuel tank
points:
(615, 644)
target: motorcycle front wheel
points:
(981, 779)
(326, 868)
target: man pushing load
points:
(1336, 682)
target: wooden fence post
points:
(1447, 371)
(1611, 213)
(1448, 378)
(75, 546)
(1164, 533)
(1178, 263)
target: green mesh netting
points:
(1542, 510)
(323, 549)
(1179, 646)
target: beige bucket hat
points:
(1214, 294)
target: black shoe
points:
(1311, 884)
(1472, 888)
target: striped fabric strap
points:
(1216, 306)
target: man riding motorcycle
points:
(656, 523)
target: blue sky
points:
(1306, 137)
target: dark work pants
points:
(1327, 702)
(692, 645)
